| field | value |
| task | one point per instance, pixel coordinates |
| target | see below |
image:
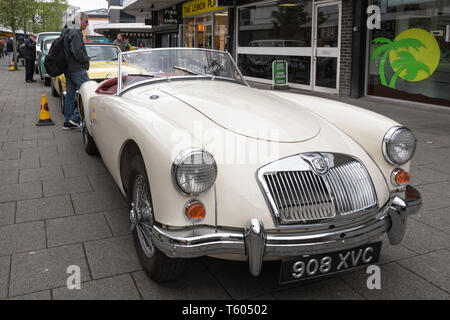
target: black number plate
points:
(312, 266)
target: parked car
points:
(103, 64)
(40, 38)
(45, 48)
(213, 167)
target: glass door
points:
(326, 47)
(204, 32)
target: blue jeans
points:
(73, 83)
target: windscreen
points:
(176, 63)
(102, 53)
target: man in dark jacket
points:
(76, 71)
(30, 57)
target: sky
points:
(88, 4)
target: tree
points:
(35, 15)
(11, 16)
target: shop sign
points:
(196, 7)
(280, 73)
(167, 16)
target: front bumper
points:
(257, 243)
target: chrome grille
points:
(301, 195)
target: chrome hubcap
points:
(141, 215)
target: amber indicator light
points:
(195, 211)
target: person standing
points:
(76, 71)
(2, 46)
(123, 44)
(30, 58)
(10, 50)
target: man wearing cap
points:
(30, 58)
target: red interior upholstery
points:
(108, 87)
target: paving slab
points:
(422, 239)
(97, 201)
(119, 221)
(112, 256)
(46, 269)
(432, 266)
(4, 276)
(77, 229)
(397, 283)
(22, 237)
(438, 219)
(83, 170)
(39, 151)
(114, 288)
(328, 289)
(64, 186)
(12, 154)
(39, 174)
(205, 288)
(37, 296)
(44, 208)
(235, 278)
(7, 213)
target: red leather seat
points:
(108, 87)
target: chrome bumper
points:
(256, 243)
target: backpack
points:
(56, 60)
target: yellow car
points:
(103, 64)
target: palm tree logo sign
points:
(413, 56)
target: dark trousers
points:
(29, 69)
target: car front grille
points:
(304, 196)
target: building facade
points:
(395, 49)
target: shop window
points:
(276, 24)
(409, 57)
(260, 66)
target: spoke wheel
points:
(141, 215)
(155, 263)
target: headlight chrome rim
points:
(179, 161)
(388, 139)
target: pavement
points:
(60, 207)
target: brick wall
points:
(346, 47)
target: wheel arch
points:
(129, 150)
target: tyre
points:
(54, 92)
(155, 263)
(47, 81)
(88, 142)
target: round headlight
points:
(399, 145)
(194, 171)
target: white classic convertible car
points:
(212, 167)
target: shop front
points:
(205, 25)
(305, 33)
(165, 24)
(409, 56)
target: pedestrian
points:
(123, 44)
(76, 71)
(2, 46)
(10, 50)
(29, 53)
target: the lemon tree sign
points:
(413, 55)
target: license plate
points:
(312, 266)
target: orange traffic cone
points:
(44, 117)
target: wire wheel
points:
(141, 215)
